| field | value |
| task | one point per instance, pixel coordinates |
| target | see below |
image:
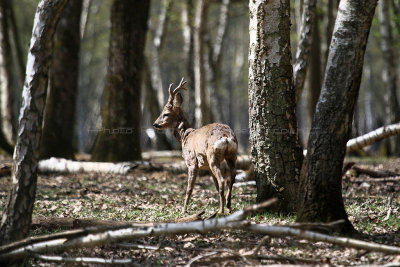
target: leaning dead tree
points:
(18, 213)
(90, 237)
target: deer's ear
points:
(178, 100)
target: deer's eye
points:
(165, 115)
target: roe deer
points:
(203, 148)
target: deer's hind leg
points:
(231, 180)
(216, 171)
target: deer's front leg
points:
(191, 180)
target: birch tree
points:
(321, 188)
(274, 143)
(18, 212)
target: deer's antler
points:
(172, 93)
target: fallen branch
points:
(138, 246)
(95, 237)
(373, 137)
(198, 257)
(373, 180)
(82, 259)
(70, 166)
(191, 218)
(317, 237)
(374, 173)
(72, 223)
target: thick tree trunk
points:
(389, 75)
(202, 97)
(59, 119)
(273, 125)
(119, 138)
(18, 213)
(304, 46)
(6, 87)
(321, 189)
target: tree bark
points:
(274, 142)
(6, 87)
(59, 119)
(313, 78)
(18, 213)
(320, 195)
(119, 138)
(202, 97)
(389, 75)
(304, 45)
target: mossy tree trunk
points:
(59, 120)
(119, 137)
(275, 149)
(321, 179)
(17, 216)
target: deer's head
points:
(170, 114)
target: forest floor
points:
(373, 206)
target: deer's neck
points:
(182, 129)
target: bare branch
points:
(82, 259)
(313, 236)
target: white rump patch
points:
(225, 142)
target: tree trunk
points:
(19, 51)
(188, 49)
(119, 138)
(156, 77)
(314, 76)
(320, 195)
(151, 103)
(215, 62)
(389, 75)
(18, 213)
(330, 21)
(6, 88)
(273, 125)
(202, 97)
(59, 118)
(304, 46)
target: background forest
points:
(168, 59)
(99, 72)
